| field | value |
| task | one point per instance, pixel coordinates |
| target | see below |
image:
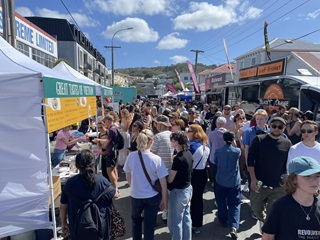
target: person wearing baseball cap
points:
(297, 215)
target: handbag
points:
(156, 186)
(117, 226)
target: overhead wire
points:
(277, 19)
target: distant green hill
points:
(169, 70)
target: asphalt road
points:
(249, 228)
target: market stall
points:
(35, 100)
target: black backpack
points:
(88, 223)
(120, 144)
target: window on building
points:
(80, 58)
(253, 61)
(185, 78)
(23, 48)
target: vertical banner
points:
(266, 40)
(227, 55)
(67, 102)
(194, 78)
(181, 82)
(171, 88)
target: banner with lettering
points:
(67, 102)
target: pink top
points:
(62, 135)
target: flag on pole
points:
(266, 40)
(227, 55)
(171, 88)
(181, 82)
(194, 78)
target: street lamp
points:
(112, 52)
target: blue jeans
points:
(57, 156)
(229, 200)
(150, 207)
(179, 219)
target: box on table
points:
(56, 187)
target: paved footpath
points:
(211, 229)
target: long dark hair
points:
(85, 162)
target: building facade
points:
(75, 47)
(33, 41)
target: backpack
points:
(120, 144)
(88, 223)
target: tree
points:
(63, 60)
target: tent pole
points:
(53, 213)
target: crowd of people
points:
(185, 145)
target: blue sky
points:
(164, 31)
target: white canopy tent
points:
(24, 150)
(66, 69)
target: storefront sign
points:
(273, 98)
(263, 70)
(214, 81)
(67, 102)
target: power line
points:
(262, 27)
(70, 14)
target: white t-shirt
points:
(246, 126)
(300, 149)
(140, 187)
(162, 147)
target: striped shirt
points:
(162, 147)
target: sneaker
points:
(254, 216)
(197, 230)
(233, 233)
(246, 187)
(261, 225)
(165, 215)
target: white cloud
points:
(125, 7)
(24, 11)
(157, 62)
(172, 41)
(178, 59)
(204, 16)
(82, 19)
(313, 15)
(141, 31)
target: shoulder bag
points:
(157, 185)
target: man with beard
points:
(267, 159)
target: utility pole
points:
(9, 22)
(112, 62)
(196, 63)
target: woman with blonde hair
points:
(297, 215)
(198, 141)
(143, 197)
(124, 127)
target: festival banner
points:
(171, 88)
(266, 40)
(67, 102)
(181, 82)
(194, 78)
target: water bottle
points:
(259, 185)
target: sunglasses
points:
(228, 109)
(241, 118)
(280, 127)
(134, 125)
(307, 131)
(191, 113)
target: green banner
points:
(107, 92)
(58, 88)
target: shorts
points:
(110, 160)
(57, 156)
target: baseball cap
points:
(163, 120)
(280, 119)
(304, 166)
